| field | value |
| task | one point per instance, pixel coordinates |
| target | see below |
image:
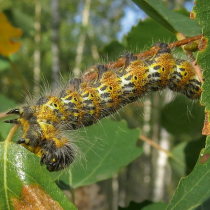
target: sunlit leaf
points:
(112, 146)
(193, 190)
(143, 35)
(171, 20)
(185, 156)
(182, 116)
(24, 183)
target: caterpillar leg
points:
(23, 141)
(13, 121)
(25, 112)
(45, 141)
(14, 111)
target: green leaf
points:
(193, 190)
(185, 156)
(173, 21)
(4, 64)
(204, 206)
(6, 103)
(25, 183)
(113, 146)
(153, 12)
(202, 16)
(5, 4)
(155, 206)
(177, 161)
(145, 205)
(182, 116)
(133, 205)
(138, 39)
(144, 35)
(112, 50)
(24, 21)
(192, 151)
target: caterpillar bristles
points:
(97, 94)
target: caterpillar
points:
(83, 103)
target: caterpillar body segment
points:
(185, 81)
(83, 103)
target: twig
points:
(154, 144)
(11, 133)
(157, 146)
(18, 75)
(71, 188)
(72, 195)
(3, 115)
(185, 41)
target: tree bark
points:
(37, 38)
(81, 43)
(55, 41)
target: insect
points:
(83, 103)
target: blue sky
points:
(133, 14)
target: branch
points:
(11, 133)
(3, 115)
(155, 145)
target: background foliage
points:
(170, 120)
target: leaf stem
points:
(71, 188)
(3, 115)
(11, 133)
(155, 145)
(18, 75)
(72, 195)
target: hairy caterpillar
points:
(83, 103)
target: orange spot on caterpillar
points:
(204, 158)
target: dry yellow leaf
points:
(7, 31)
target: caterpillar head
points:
(56, 158)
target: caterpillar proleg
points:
(83, 103)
